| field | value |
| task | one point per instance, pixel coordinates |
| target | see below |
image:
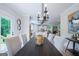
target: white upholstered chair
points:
(24, 38)
(13, 45)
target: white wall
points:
(15, 11)
(25, 25)
(64, 21)
(55, 9)
(11, 15)
(64, 18)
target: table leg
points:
(53, 36)
(73, 46)
(67, 45)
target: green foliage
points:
(49, 27)
(5, 26)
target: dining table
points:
(32, 49)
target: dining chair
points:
(13, 45)
(24, 38)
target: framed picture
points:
(73, 22)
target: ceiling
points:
(54, 9)
(25, 8)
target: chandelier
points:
(43, 16)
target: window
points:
(4, 28)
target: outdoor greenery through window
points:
(4, 27)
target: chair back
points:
(13, 45)
(24, 38)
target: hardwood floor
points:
(31, 49)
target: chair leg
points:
(53, 36)
(67, 46)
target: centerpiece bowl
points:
(39, 40)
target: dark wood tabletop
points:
(74, 40)
(31, 49)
